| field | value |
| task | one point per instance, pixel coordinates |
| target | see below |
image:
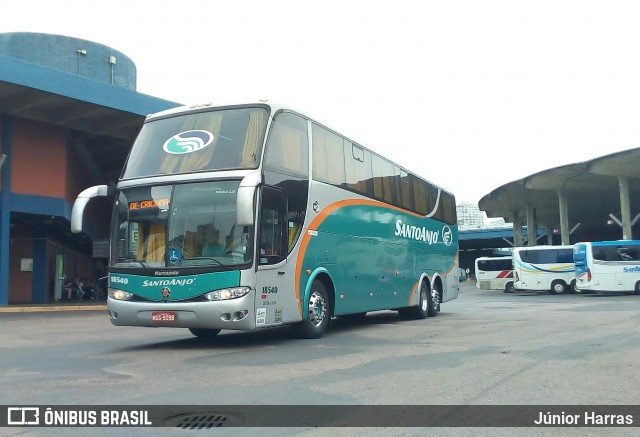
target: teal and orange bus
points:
(254, 215)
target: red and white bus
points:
(495, 273)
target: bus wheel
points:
(573, 288)
(434, 303)
(509, 288)
(318, 313)
(636, 289)
(204, 333)
(558, 287)
(422, 310)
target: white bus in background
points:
(544, 268)
(608, 266)
(495, 273)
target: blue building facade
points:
(69, 112)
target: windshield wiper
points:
(208, 258)
(129, 260)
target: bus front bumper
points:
(226, 314)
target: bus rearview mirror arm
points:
(246, 195)
(81, 202)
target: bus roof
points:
(274, 107)
(611, 243)
(520, 249)
(206, 105)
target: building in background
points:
(69, 112)
(469, 216)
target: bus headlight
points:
(116, 294)
(228, 293)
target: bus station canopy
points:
(102, 119)
(592, 190)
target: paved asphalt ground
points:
(484, 348)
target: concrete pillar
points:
(625, 208)
(550, 235)
(532, 227)
(517, 229)
(564, 218)
(5, 208)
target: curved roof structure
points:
(590, 192)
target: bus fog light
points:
(228, 293)
(116, 294)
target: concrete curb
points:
(51, 308)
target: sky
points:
(469, 94)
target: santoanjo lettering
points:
(416, 233)
(167, 282)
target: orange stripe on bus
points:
(321, 217)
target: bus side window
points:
(294, 229)
(624, 256)
(288, 146)
(273, 226)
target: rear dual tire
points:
(428, 306)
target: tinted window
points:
(385, 179)
(328, 156)
(406, 199)
(495, 265)
(421, 196)
(616, 253)
(529, 256)
(204, 141)
(273, 226)
(547, 256)
(288, 145)
(358, 169)
(448, 207)
(564, 256)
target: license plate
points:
(163, 316)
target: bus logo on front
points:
(188, 142)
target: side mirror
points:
(81, 202)
(245, 200)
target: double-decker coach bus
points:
(544, 268)
(495, 273)
(608, 266)
(254, 215)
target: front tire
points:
(636, 289)
(318, 313)
(204, 333)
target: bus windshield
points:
(174, 226)
(205, 141)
